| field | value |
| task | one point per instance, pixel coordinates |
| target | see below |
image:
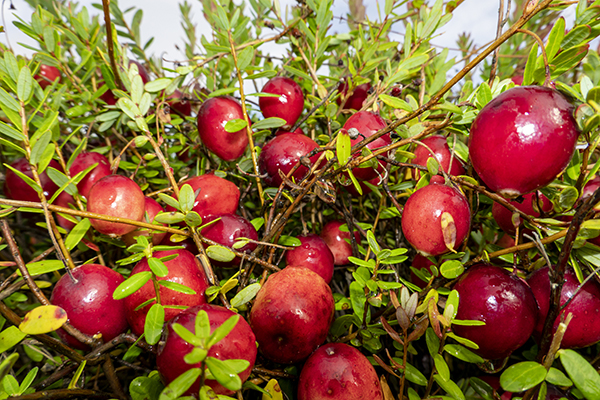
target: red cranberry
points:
(358, 95)
(523, 139)
(83, 161)
(288, 105)
(423, 219)
(338, 241)
(47, 75)
(238, 344)
(313, 254)
(16, 189)
(226, 230)
(282, 153)
(212, 117)
(531, 204)
(583, 330)
(64, 199)
(367, 124)
(439, 146)
(179, 103)
(89, 303)
(116, 196)
(503, 301)
(152, 208)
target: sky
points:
(162, 20)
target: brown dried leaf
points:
(391, 331)
(385, 388)
(433, 314)
(403, 319)
(448, 230)
(383, 365)
(418, 331)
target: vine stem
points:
(544, 54)
(110, 43)
(247, 119)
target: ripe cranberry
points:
(291, 315)
(531, 204)
(238, 344)
(367, 124)
(517, 80)
(141, 70)
(89, 303)
(47, 75)
(420, 262)
(288, 105)
(313, 254)
(215, 195)
(357, 97)
(283, 131)
(15, 188)
(116, 196)
(180, 103)
(187, 244)
(83, 161)
(212, 117)
(583, 330)
(338, 241)
(185, 269)
(422, 219)
(151, 209)
(282, 153)
(523, 139)
(441, 151)
(108, 97)
(338, 371)
(226, 230)
(503, 301)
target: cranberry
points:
(288, 105)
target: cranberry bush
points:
(156, 174)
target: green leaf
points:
(269, 123)
(180, 384)
(441, 367)
(285, 240)
(202, 325)
(77, 233)
(9, 338)
(153, 326)
(235, 125)
(343, 146)
(452, 269)
(9, 131)
(482, 388)
(449, 387)
(220, 253)
(133, 283)
(245, 295)
(582, 373)
(188, 336)
(530, 66)
(24, 85)
(522, 376)
(178, 287)
(7, 363)
(187, 198)
(195, 356)
(433, 342)
(77, 375)
(433, 166)
(8, 102)
(223, 330)
(158, 267)
(224, 374)
(157, 85)
(555, 38)
(556, 377)
(43, 267)
(39, 146)
(27, 179)
(414, 375)
(462, 353)
(245, 57)
(43, 319)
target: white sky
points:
(162, 20)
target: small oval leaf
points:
(43, 319)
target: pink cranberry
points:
(313, 254)
(288, 105)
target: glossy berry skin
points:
(47, 75)
(367, 124)
(179, 103)
(422, 218)
(532, 203)
(336, 241)
(313, 254)
(116, 196)
(151, 209)
(420, 262)
(238, 344)
(16, 189)
(282, 153)
(503, 301)
(441, 151)
(356, 98)
(212, 117)
(337, 371)
(185, 269)
(89, 303)
(288, 105)
(225, 231)
(83, 161)
(291, 315)
(523, 139)
(583, 330)
(216, 195)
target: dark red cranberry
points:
(282, 153)
(338, 241)
(288, 105)
(16, 189)
(531, 205)
(313, 254)
(358, 95)
(439, 146)
(226, 231)
(47, 75)
(83, 161)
